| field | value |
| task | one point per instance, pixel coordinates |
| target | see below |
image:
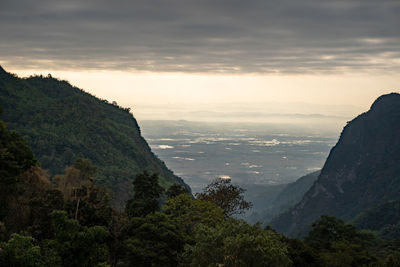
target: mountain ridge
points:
(62, 122)
(361, 171)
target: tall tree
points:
(225, 195)
(146, 195)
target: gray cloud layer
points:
(297, 36)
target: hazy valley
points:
(247, 153)
(260, 157)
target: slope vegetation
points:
(62, 122)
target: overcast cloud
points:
(236, 36)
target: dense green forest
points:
(67, 220)
(61, 123)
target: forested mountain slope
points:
(62, 122)
(293, 192)
(272, 200)
(362, 170)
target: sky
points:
(210, 55)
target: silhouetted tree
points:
(225, 195)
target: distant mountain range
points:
(360, 177)
(201, 110)
(244, 115)
(62, 122)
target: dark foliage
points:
(302, 255)
(15, 158)
(153, 240)
(225, 195)
(328, 230)
(176, 190)
(78, 245)
(341, 244)
(146, 195)
(384, 218)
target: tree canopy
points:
(227, 196)
(236, 243)
(175, 190)
(146, 195)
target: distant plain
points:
(248, 153)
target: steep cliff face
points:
(361, 171)
(62, 122)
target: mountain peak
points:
(385, 101)
(2, 70)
